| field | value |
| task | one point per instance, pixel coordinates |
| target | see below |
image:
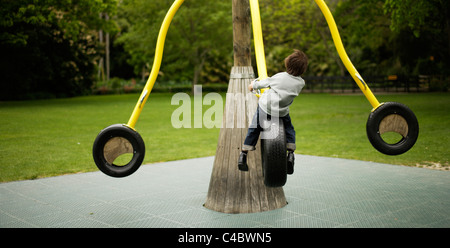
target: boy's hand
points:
(250, 86)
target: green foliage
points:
(48, 47)
(122, 86)
(199, 38)
(298, 24)
(418, 16)
(396, 37)
(382, 37)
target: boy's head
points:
(296, 63)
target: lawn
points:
(53, 137)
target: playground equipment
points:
(385, 117)
(120, 139)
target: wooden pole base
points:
(231, 190)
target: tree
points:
(298, 24)
(419, 16)
(396, 37)
(200, 33)
(48, 47)
(365, 31)
(381, 36)
(429, 21)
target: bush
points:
(122, 86)
(47, 65)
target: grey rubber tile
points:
(322, 193)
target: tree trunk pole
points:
(231, 190)
(242, 33)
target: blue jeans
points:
(255, 129)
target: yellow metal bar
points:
(344, 57)
(156, 63)
(258, 37)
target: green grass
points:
(53, 137)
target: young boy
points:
(275, 101)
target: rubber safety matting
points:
(322, 193)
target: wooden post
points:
(242, 33)
(231, 190)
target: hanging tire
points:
(273, 154)
(114, 141)
(392, 117)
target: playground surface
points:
(322, 193)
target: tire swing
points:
(273, 154)
(120, 139)
(385, 118)
(113, 142)
(392, 117)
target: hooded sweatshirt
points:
(283, 88)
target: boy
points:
(275, 101)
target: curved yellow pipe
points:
(343, 55)
(258, 39)
(156, 63)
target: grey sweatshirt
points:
(283, 89)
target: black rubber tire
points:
(118, 130)
(373, 123)
(273, 155)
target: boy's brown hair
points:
(296, 63)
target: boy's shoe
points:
(290, 162)
(242, 162)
